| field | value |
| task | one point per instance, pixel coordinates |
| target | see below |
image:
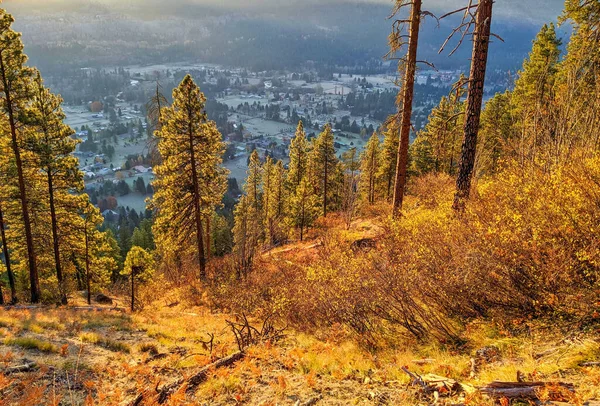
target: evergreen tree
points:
(496, 134)
(253, 185)
(246, 234)
(577, 84)
(53, 146)
(481, 42)
(15, 94)
(190, 181)
(324, 163)
(298, 158)
(304, 208)
(437, 147)
(387, 169)
(532, 98)
(351, 165)
(369, 163)
(405, 100)
(269, 197)
(97, 250)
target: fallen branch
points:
(193, 381)
(27, 367)
(521, 390)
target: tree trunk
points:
(208, 248)
(197, 212)
(302, 222)
(59, 275)
(481, 41)
(325, 181)
(11, 276)
(407, 102)
(33, 272)
(87, 267)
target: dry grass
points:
(328, 366)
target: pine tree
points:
(248, 231)
(437, 146)
(139, 266)
(15, 93)
(481, 41)
(190, 182)
(351, 165)
(369, 163)
(53, 146)
(95, 249)
(324, 163)
(253, 185)
(269, 197)
(298, 158)
(496, 134)
(577, 83)
(304, 207)
(405, 102)
(246, 234)
(533, 95)
(387, 169)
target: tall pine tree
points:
(190, 181)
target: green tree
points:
(437, 146)
(369, 165)
(496, 134)
(246, 233)
(190, 181)
(532, 98)
(324, 163)
(269, 197)
(387, 169)
(53, 145)
(139, 266)
(298, 158)
(304, 208)
(15, 95)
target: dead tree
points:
(406, 100)
(482, 19)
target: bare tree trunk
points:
(11, 276)
(55, 242)
(325, 182)
(87, 266)
(407, 102)
(481, 41)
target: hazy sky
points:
(531, 9)
(540, 10)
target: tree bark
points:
(34, 282)
(55, 242)
(11, 276)
(325, 182)
(87, 266)
(481, 41)
(407, 102)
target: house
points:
(104, 172)
(110, 215)
(142, 169)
